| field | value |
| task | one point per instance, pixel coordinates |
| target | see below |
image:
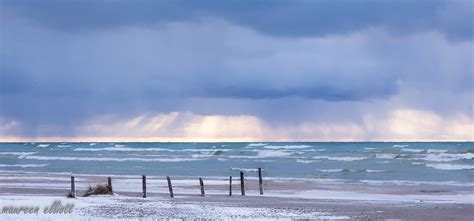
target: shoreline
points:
(281, 199)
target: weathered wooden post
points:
(242, 185)
(230, 186)
(201, 183)
(109, 181)
(73, 188)
(170, 187)
(144, 185)
(260, 182)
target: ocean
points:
(448, 164)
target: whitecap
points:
(340, 158)
(386, 156)
(350, 170)
(42, 145)
(330, 170)
(286, 147)
(63, 145)
(111, 159)
(436, 151)
(273, 153)
(17, 153)
(415, 183)
(400, 145)
(23, 165)
(244, 169)
(446, 157)
(445, 166)
(412, 150)
(256, 145)
(306, 161)
(20, 155)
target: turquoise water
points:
(444, 163)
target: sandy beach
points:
(283, 199)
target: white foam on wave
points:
(42, 145)
(273, 153)
(351, 170)
(130, 149)
(415, 183)
(386, 156)
(436, 151)
(20, 155)
(92, 144)
(445, 166)
(446, 157)
(245, 169)
(273, 147)
(340, 158)
(400, 145)
(111, 159)
(256, 145)
(17, 153)
(63, 145)
(24, 165)
(370, 148)
(412, 150)
(306, 161)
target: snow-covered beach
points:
(283, 199)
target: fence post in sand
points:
(170, 187)
(230, 186)
(144, 185)
(73, 188)
(201, 183)
(109, 183)
(242, 185)
(260, 182)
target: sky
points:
(246, 70)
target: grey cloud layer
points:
(63, 66)
(279, 17)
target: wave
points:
(256, 145)
(306, 161)
(63, 145)
(23, 165)
(42, 145)
(416, 183)
(273, 153)
(20, 155)
(350, 170)
(121, 149)
(446, 157)
(340, 158)
(92, 144)
(412, 150)
(245, 169)
(400, 145)
(445, 166)
(370, 148)
(111, 159)
(286, 147)
(386, 156)
(436, 151)
(130, 149)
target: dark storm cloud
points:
(283, 18)
(66, 62)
